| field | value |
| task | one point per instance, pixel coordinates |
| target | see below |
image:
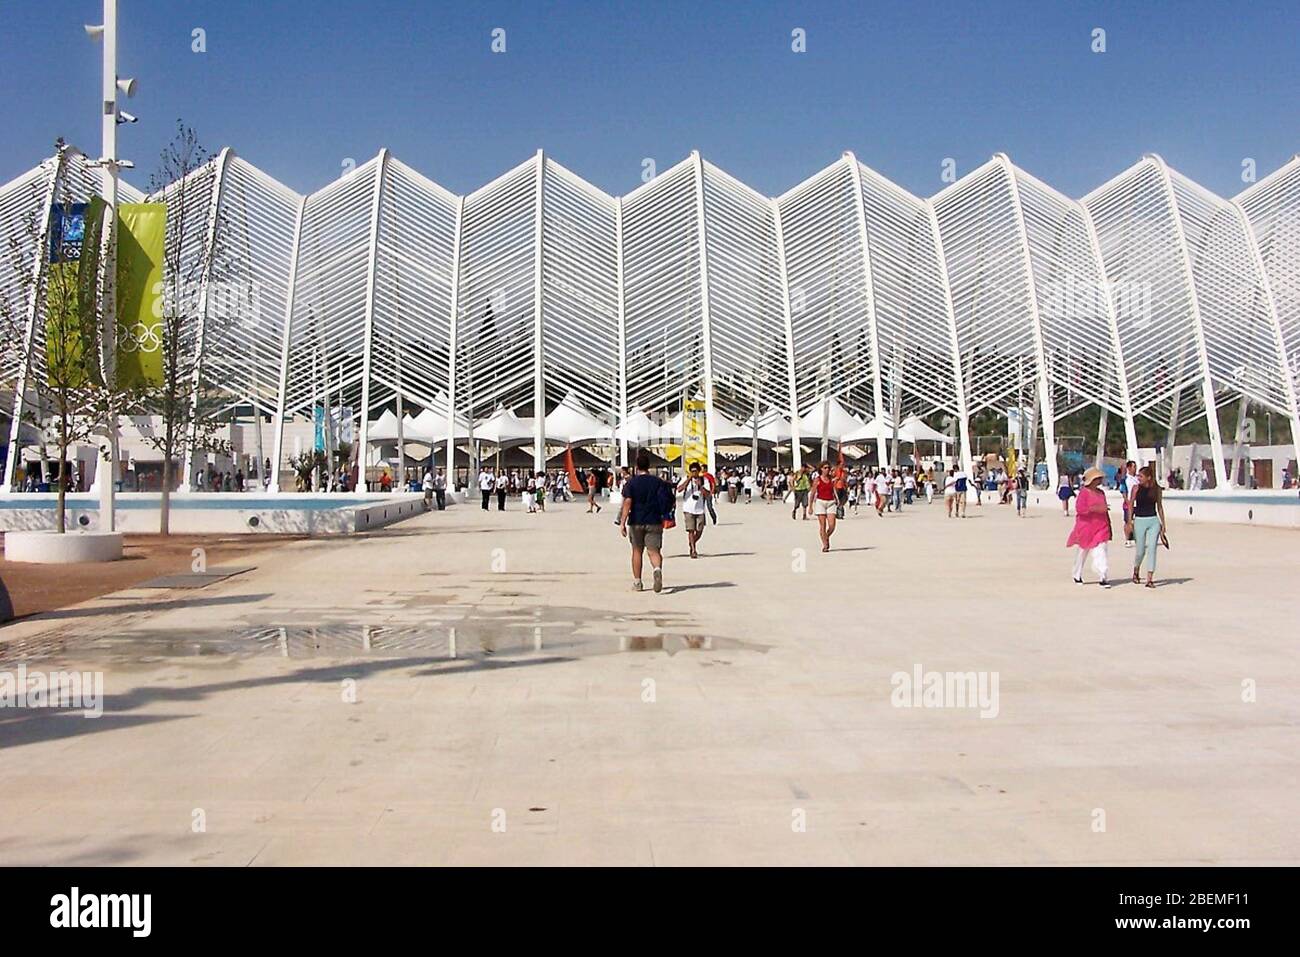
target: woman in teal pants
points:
(1147, 520)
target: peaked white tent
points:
(772, 428)
(638, 429)
(839, 423)
(722, 429)
(570, 423)
(881, 429)
(503, 428)
(923, 432)
(670, 432)
(431, 426)
(384, 428)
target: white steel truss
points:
(1271, 213)
(1150, 297)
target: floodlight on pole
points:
(94, 30)
(128, 85)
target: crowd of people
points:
(647, 501)
(532, 489)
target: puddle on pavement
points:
(485, 634)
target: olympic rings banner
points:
(141, 233)
(71, 321)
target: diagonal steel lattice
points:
(1149, 297)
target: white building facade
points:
(1150, 298)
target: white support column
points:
(1207, 383)
(205, 280)
(877, 387)
(277, 453)
(401, 435)
(1242, 407)
(963, 417)
(372, 266)
(787, 314)
(451, 346)
(106, 278)
(1112, 322)
(539, 354)
(622, 330)
(1040, 351)
(33, 309)
(1284, 361)
(705, 325)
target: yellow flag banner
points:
(141, 235)
(696, 434)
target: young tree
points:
(72, 403)
(190, 330)
(305, 465)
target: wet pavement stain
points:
(484, 634)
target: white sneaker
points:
(659, 580)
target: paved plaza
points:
(473, 687)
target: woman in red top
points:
(824, 504)
(1091, 532)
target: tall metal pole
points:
(106, 474)
(869, 289)
(539, 353)
(706, 331)
(367, 346)
(622, 331)
(278, 441)
(453, 321)
(786, 315)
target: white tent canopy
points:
(840, 422)
(722, 429)
(772, 427)
(638, 429)
(431, 424)
(384, 428)
(571, 423)
(923, 432)
(503, 428)
(670, 432)
(879, 428)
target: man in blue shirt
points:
(645, 506)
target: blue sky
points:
(298, 86)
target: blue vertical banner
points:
(318, 416)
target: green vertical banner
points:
(71, 321)
(141, 235)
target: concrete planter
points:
(51, 548)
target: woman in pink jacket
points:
(1091, 532)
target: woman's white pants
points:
(1100, 564)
